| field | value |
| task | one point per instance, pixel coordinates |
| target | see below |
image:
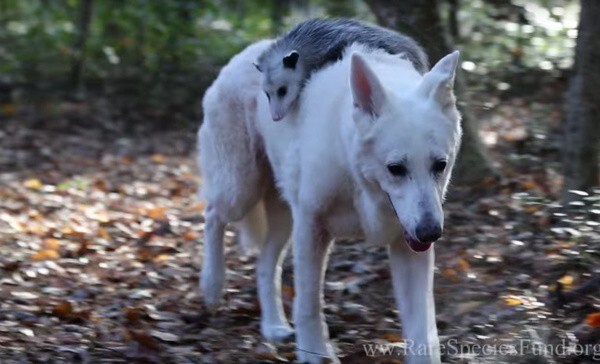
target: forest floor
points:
(100, 251)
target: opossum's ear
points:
(367, 92)
(291, 60)
(439, 82)
(257, 66)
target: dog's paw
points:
(317, 356)
(279, 333)
(212, 292)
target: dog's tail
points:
(252, 228)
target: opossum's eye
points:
(397, 169)
(268, 96)
(282, 91)
(439, 166)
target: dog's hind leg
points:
(212, 279)
(274, 325)
(412, 277)
(233, 174)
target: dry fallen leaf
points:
(392, 337)
(63, 310)
(593, 319)
(191, 236)
(158, 158)
(512, 301)
(463, 264)
(165, 336)
(25, 295)
(45, 254)
(566, 280)
(27, 332)
(267, 352)
(33, 183)
(146, 255)
(8, 109)
(135, 314)
(144, 339)
(158, 213)
(451, 274)
(528, 185)
(103, 233)
(51, 244)
(531, 209)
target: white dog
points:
(368, 153)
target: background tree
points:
(582, 131)
(421, 20)
(83, 26)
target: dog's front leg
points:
(310, 247)
(412, 277)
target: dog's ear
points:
(257, 66)
(291, 60)
(367, 92)
(439, 82)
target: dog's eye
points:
(439, 166)
(282, 91)
(398, 170)
(268, 96)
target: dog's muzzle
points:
(426, 232)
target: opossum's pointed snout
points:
(276, 116)
(277, 113)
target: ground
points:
(101, 243)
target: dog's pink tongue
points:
(417, 245)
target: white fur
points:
(330, 164)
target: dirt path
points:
(99, 260)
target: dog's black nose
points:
(428, 231)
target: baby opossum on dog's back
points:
(312, 44)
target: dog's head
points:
(409, 139)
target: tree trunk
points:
(83, 26)
(340, 8)
(421, 20)
(582, 129)
(279, 10)
(453, 7)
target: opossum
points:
(287, 64)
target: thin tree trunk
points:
(3, 12)
(582, 129)
(340, 8)
(421, 20)
(83, 26)
(453, 8)
(279, 10)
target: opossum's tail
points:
(252, 228)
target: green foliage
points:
(501, 38)
(170, 46)
(135, 38)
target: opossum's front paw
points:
(280, 333)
